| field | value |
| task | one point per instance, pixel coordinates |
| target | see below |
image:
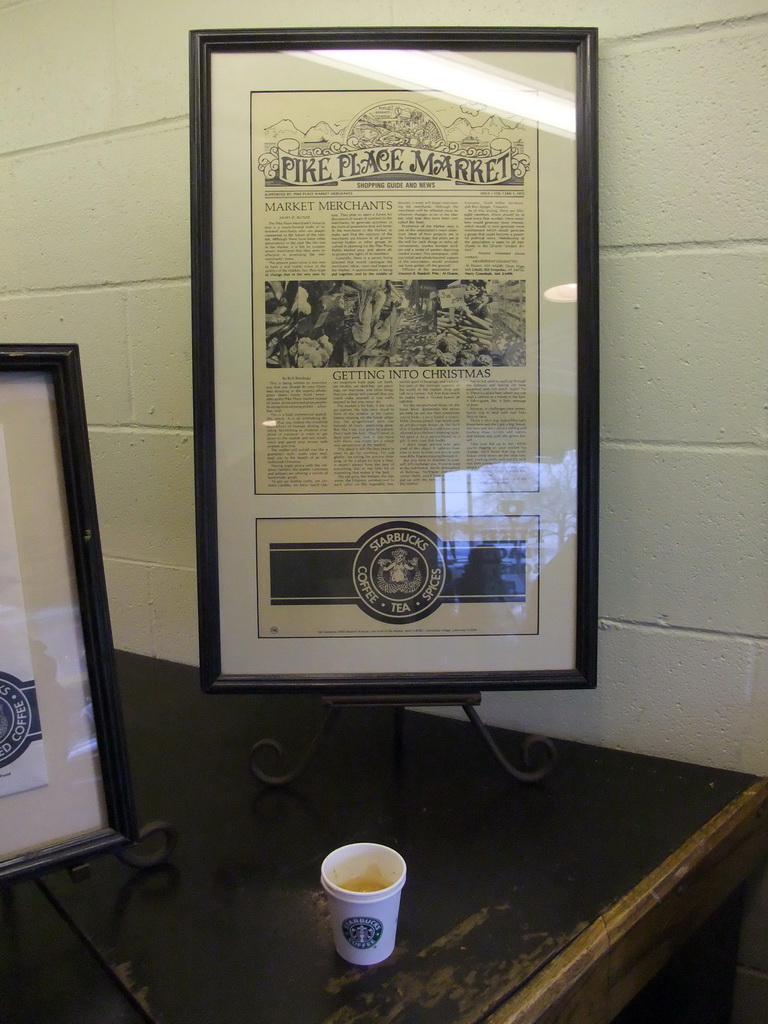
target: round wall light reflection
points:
(561, 293)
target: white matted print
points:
(22, 758)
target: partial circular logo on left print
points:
(16, 718)
(399, 572)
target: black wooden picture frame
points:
(313, 573)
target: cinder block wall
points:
(94, 249)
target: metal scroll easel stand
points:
(538, 753)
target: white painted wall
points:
(94, 249)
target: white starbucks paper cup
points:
(364, 924)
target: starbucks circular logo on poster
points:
(362, 932)
(15, 719)
(399, 572)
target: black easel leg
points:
(283, 780)
(526, 774)
(145, 853)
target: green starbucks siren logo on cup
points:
(362, 932)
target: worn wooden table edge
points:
(611, 961)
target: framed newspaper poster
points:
(64, 784)
(394, 287)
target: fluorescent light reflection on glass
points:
(460, 78)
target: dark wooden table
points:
(549, 903)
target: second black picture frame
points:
(65, 789)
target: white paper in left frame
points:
(22, 756)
